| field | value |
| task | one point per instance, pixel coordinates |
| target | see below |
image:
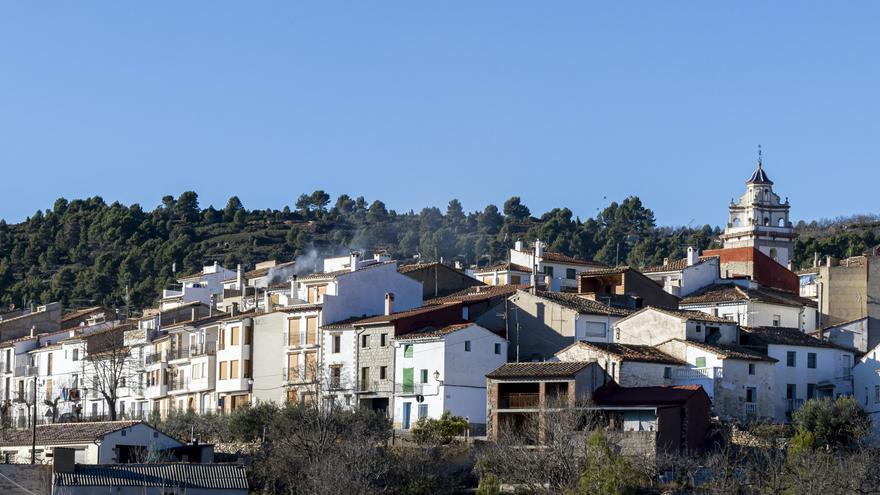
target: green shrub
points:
(443, 430)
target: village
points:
(730, 336)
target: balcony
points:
(156, 391)
(751, 410)
(26, 371)
(203, 349)
(157, 357)
(712, 373)
(792, 405)
(409, 388)
(178, 385)
(178, 353)
(519, 401)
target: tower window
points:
(766, 221)
(780, 222)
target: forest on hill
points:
(85, 252)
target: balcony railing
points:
(204, 349)
(519, 401)
(792, 405)
(179, 353)
(25, 370)
(177, 385)
(711, 373)
(409, 388)
(751, 410)
(157, 357)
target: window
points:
(248, 335)
(423, 411)
(811, 391)
(515, 280)
(408, 351)
(667, 372)
(876, 394)
(570, 273)
(751, 396)
(548, 270)
(777, 320)
(467, 346)
(699, 329)
(751, 368)
(335, 375)
(613, 370)
(293, 337)
(246, 368)
(497, 348)
(233, 335)
(76, 354)
(383, 372)
(383, 340)
(311, 330)
(233, 368)
(791, 359)
(365, 341)
(337, 343)
(811, 360)
(423, 376)
(700, 362)
(407, 387)
(791, 391)
(221, 343)
(223, 370)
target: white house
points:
(685, 276)
(866, 385)
(754, 306)
(630, 365)
(806, 367)
(653, 326)
(556, 271)
(196, 287)
(104, 442)
(444, 369)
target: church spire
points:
(759, 176)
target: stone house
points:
(755, 305)
(686, 275)
(624, 287)
(437, 279)
(629, 365)
(653, 326)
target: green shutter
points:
(424, 376)
(701, 362)
(408, 351)
(407, 380)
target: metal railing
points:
(792, 405)
(203, 349)
(751, 410)
(25, 370)
(710, 373)
(157, 357)
(181, 352)
(519, 400)
(409, 388)
(178, 384)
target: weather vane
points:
(760, 160)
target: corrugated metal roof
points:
(183, 475)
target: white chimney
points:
(33, 331)
(665, 261)
(239, 279)
(692, 257)
(389, 303)
(539, 249)
(194, 313)
(518, 245)
(354, 260)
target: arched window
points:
(766, 221)
(736, 221)
(766, 194)
(781, 222)
(773, 254)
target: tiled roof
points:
(613, 395)
(64, 432)
(581, 305)
(539, 370)
(262, 272)
(183, 476)
(630, 352)
(674, 265)
(759, 176)
(562, 258)
(763, 336)
(720, 293)
(604, 271)
(689, 315)
(344, 324)
(477, 293)
(432, 332)
(841, 324)
(372, 320)
(504, 266)
(339, 273)
(77, 314)
(404, 269)
(730, 351)
(199, 321)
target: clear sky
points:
(415, 103)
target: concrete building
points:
(554, 271)
(852, 334)
(93, 442)
(687, 275)
(234, 372)
(749, 263)
(629, 365)
(437, 279)
(443, 369)
(541, 323)
(505, 273)
(623, 287)
(849, 290)
(753, 305)
(739, 381)
(866, 388)
(193, 364)
(760, 220)
(805, 367)
(653, 326)
(196, 287)
(18, 323)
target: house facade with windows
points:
(443, 369)
(629, 365)
(555, 271)
(685, 276)
(541, 323)
(753, 305)
(234, 374)
(653, 326)
(805, 367)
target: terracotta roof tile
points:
(549, 369)
(674, 265)
(689, 315)
(763, 336)
(427, 308)
(504, 266)
(581, 305)
(730, 351)
(64, 432)
(477, 293)
(432, 332)
(720, 293)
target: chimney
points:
(211, 306)
(458, 265)
(354, 260)
(267, 301)
(33, 331)
(815, 259)
(790, 266)
(665, 261)
(518, 245)
(539, 249)
(239, 279)
(693, 257)
(292, 287)
(828, 261)
(194, 313)
(389, 303)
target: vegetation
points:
(86, 252)
(442, 430)
(831, 423)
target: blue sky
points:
(415, 103)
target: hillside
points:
(85, 252)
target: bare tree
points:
(52, 408)
(108, 363)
